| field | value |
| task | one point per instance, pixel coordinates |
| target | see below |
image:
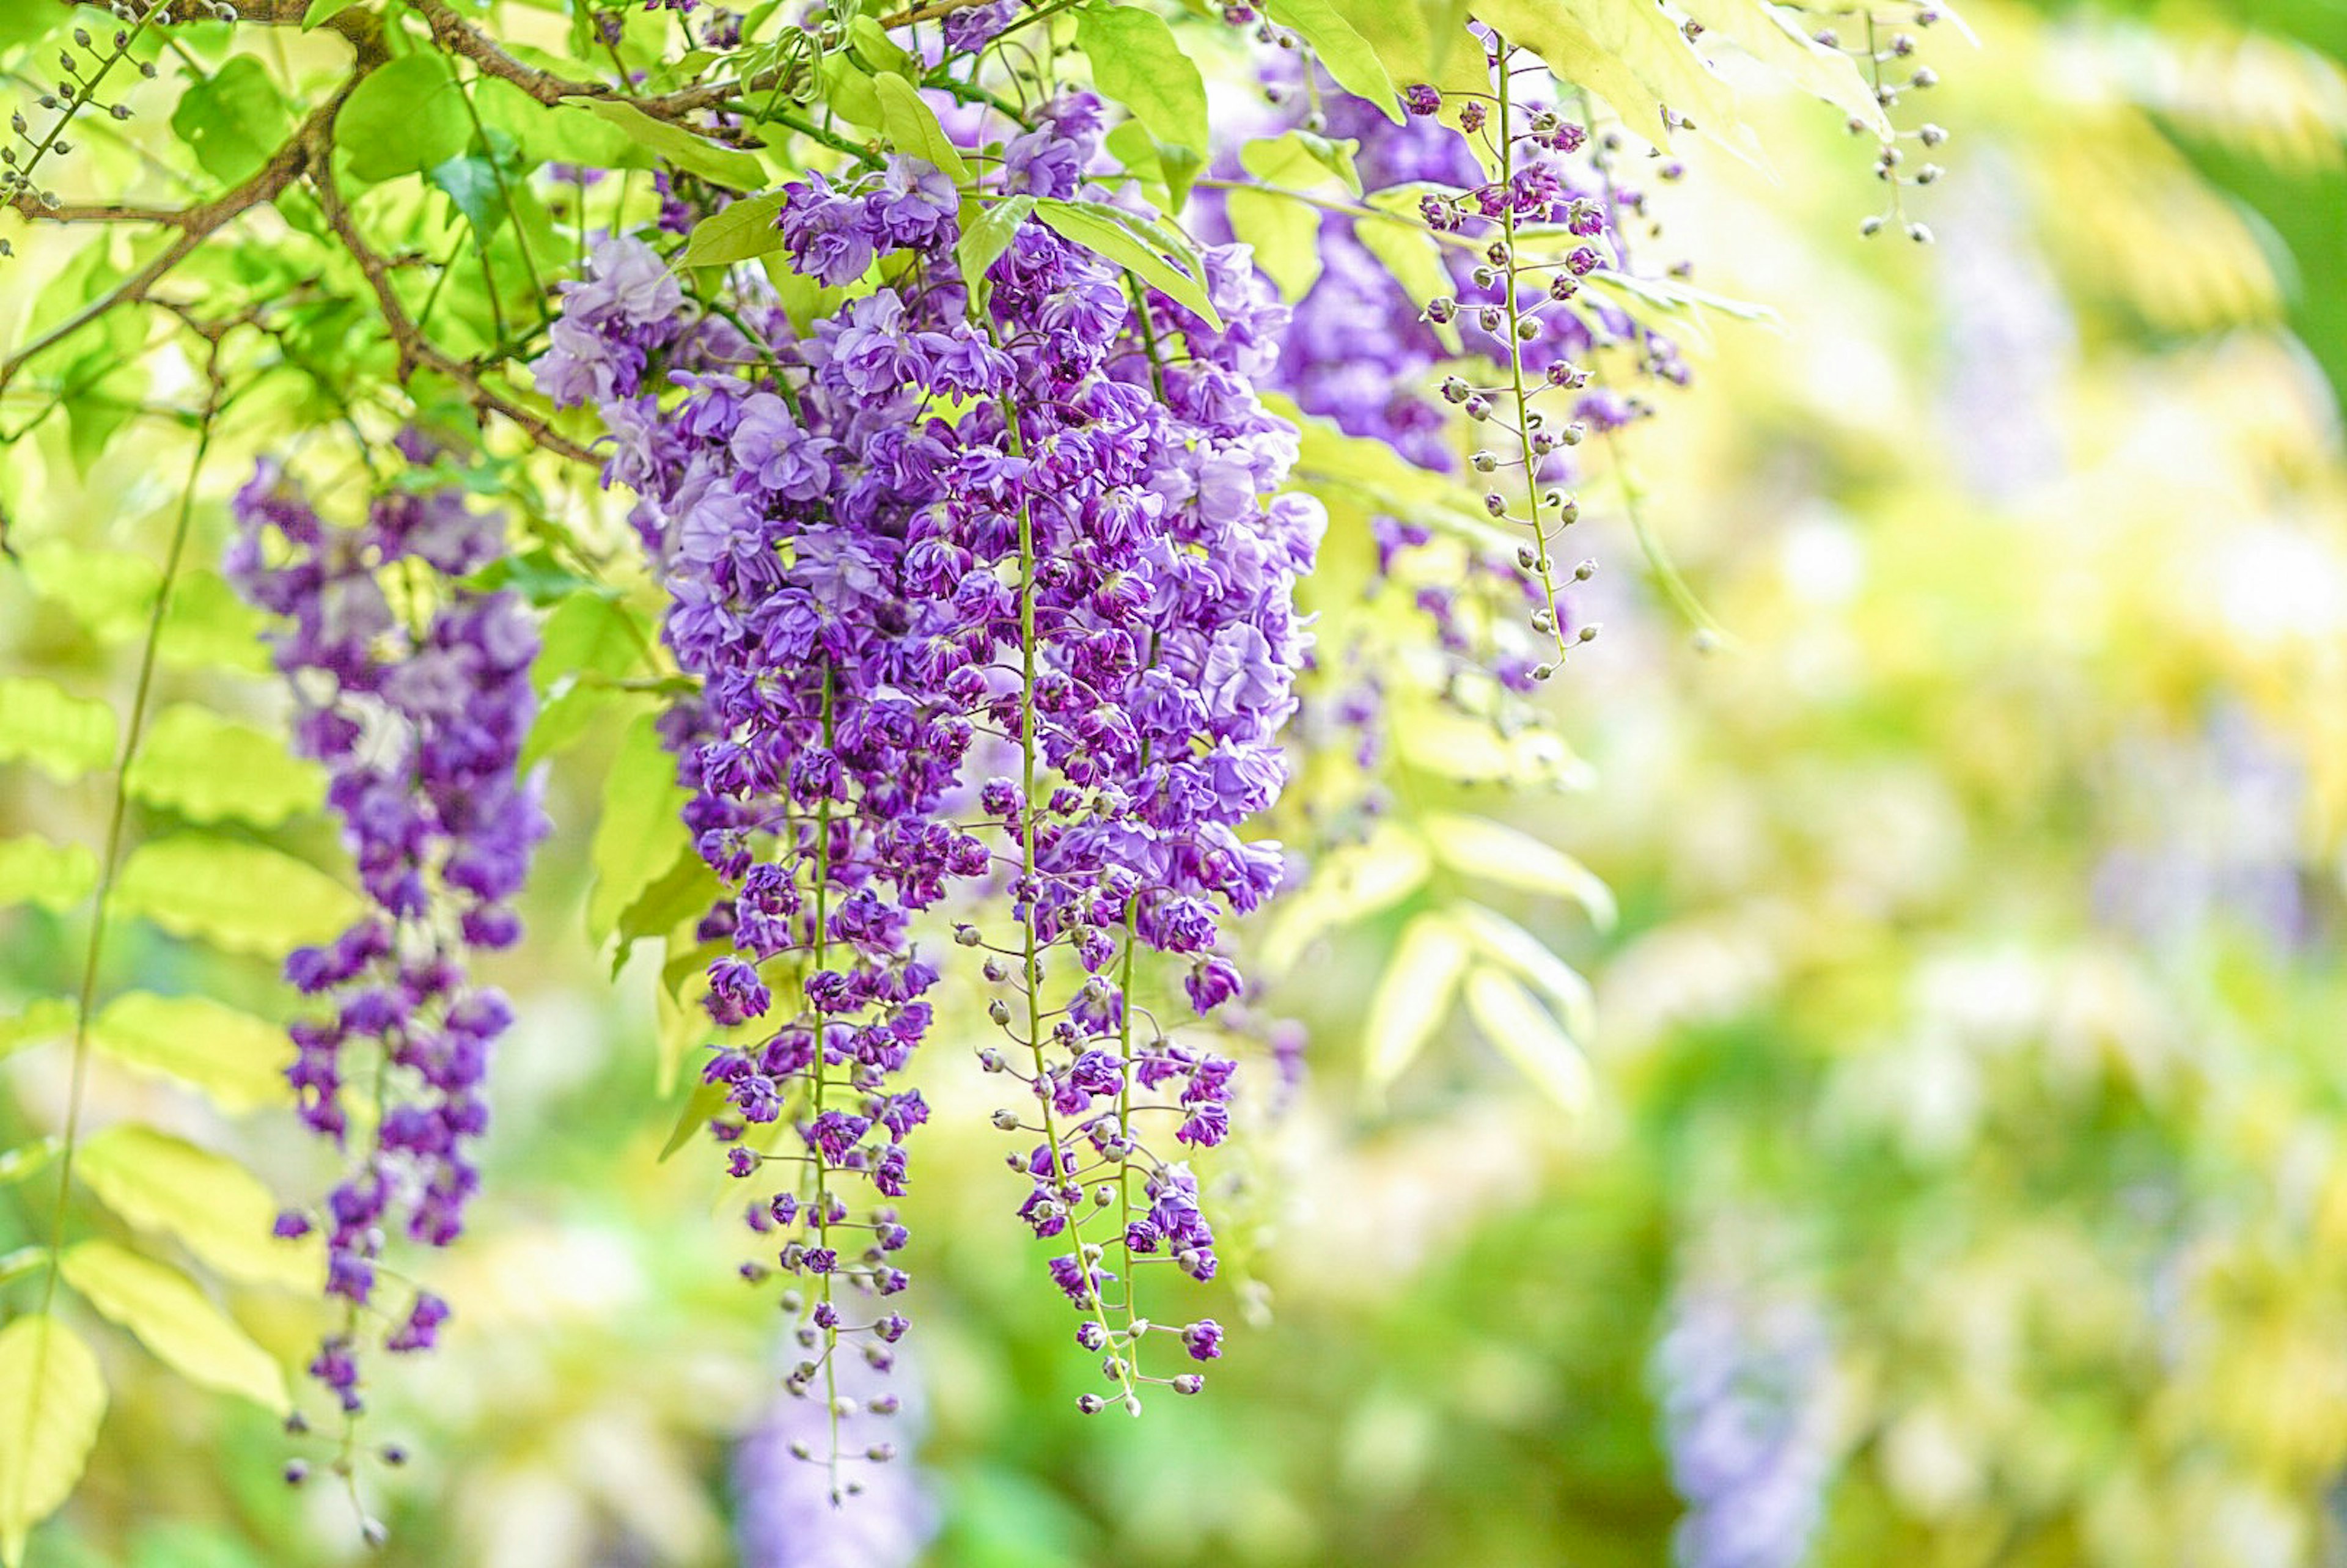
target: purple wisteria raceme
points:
(418, 713)
(995, 602)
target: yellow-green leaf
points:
(1633, 56)
(52, 1399)
(1504, 942)
(1493, 850)
(54, 875)
(214, 1207)
(985, 233)
(42, 722)
(1411, 997)
(244, 897)
(211, 769)
(1349, 884)
(175, 1320)
(110, 593)
(1414, 258)
(28, 1159)
(1285, 234)
(741, 231)
(912, 125)
(1348, 56)
(43, 1019)
(1521, 1030)
(234, 1058)
(207, 626)
(1147, 253)
(1777, 40)
(718, 165)
(1137, 62)
(641, 832)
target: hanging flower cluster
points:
(992, 595)
(418, 720)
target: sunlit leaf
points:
(241, 897)
(1137, 62)
(54, 875)
(1633, 56)
(1285, 235)
(718, 165)
(1504, 941)
(641, 832)
(1778, 39)
(740, 232)
(403, 118)
(234, 1058)
(208, 1203)
(1346, 886)
(1115, 235)
(1521, 1030)
(1348, 56)
(43, 723)
(43, 1019)
(1411, 997)
(912, 125)
(52, 1399)
(175, 1320)
(1497, 853)
(193, 762)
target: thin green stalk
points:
(110, 861)
(1516, 359)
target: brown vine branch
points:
(458, 37)
(416, 351)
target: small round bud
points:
(1918, 232)
(1869, 228)
(1588, 634)
(1585, 571)
(1090, 1404)
(1188, 1383)
(990, 1061)
(1483, 462)
(374, 1533)
(881, 1453)
(966, 936)
(1006, 1121)
(1479, 408)
(296, 1472)
(394, 1455)
(998, 1010)
(1525, 558)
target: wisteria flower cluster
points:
(416, 700)
(989, 595)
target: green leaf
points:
(20, 1262)
(588, 632)
(210, 1203)
(1504, 942)
(470, 181)
(403, 118)
(175, 1320)
(696, 155)
(235, 1059)
(324, 11)
(241, 897)
(1411, 998)
(1347, 54)
(1137, 62)
(911, 125)
(207, 626)
(1779, 41)
(56, 877)
(986, 236)
(1633, 56)
(742, 231)
(1285, 234)
(683, 892)
(211, 769)
(638, 837)
(1522, 1032)
(108, 593)
(1115, 235)
(1414, 257)
(1300, 159)
(43, 1019)
(705, 1100)
(233, 120)
(41, 723)
(52, 1399)
(881, 55)
(28, 1159)
(562, 722)
(849, 92)
(1482, 847)
(1348, 886)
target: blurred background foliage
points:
(1964, 1180)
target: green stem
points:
(1516, 357)
(111, 862)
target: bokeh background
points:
(1962, 1179)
